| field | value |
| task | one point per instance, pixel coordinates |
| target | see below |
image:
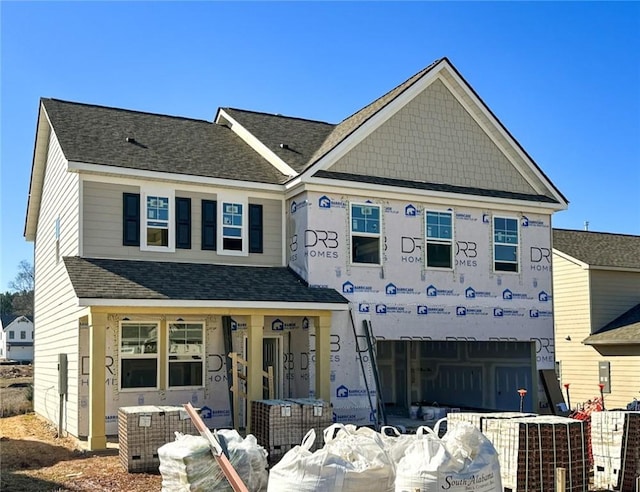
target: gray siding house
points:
(163, 243)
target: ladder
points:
(238, 366)
(370, 351)
(368, 332)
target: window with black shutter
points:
(255, 228)
(209, 211)
(183, 223)
(131, 219)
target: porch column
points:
(255, 330)
(97, 404)
(323, 357)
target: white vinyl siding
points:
(56, 310)
(102, 229)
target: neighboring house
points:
(164, 243)
(16, 338)
(596, 284)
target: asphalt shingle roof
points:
(132, 279)
(356, 120)
(302, 137)
(420, 185)
(623, 330)
(599, 248)
(98, 135)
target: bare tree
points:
(25, 278)
(22, 286)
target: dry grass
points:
(16, 390)
(34, 459)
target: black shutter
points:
(183, 223)
(130, 219)
(209, 209)
(255, 228)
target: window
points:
(11, 335)
(232, 221)
(158, 221)
(365, 234)
(505, 244)
(158, 229)
(186, 354)
(23, 335)
(138, 355)
(439, 238)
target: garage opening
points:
(478, 375)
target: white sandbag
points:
(187, 464)
(395, 442)
(372, 468)
(352, 460)
(464, 460)
(248, 458)
(304, 471)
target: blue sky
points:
(564, 78)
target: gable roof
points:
(7, 319)
(621, 331)
(131, 280)
(599, 249)
(356, 120)
(101, 135)
(294, 140)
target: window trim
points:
(451, 242)
(203, 357)
(230, 198)
(494, 243)
(122, 356)
(365, 234)
(169, 194)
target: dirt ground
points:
(33, 459)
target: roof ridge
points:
(125, 110)
(419, 72)
(278, 115)
(597, 232)
(343, 130)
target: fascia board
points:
(613, 269)
(325, 185)
(481, 106)
(123, 172)
(39, 162)
(374, 122)
(163, 303)
(576, 261)
(257, 145)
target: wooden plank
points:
(225, 465)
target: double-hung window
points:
(365, 233)
(232, 226)
(11, 335)
(439, 239)
(186, 354)
(505, 244)
(138, 355)
(159, 222)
